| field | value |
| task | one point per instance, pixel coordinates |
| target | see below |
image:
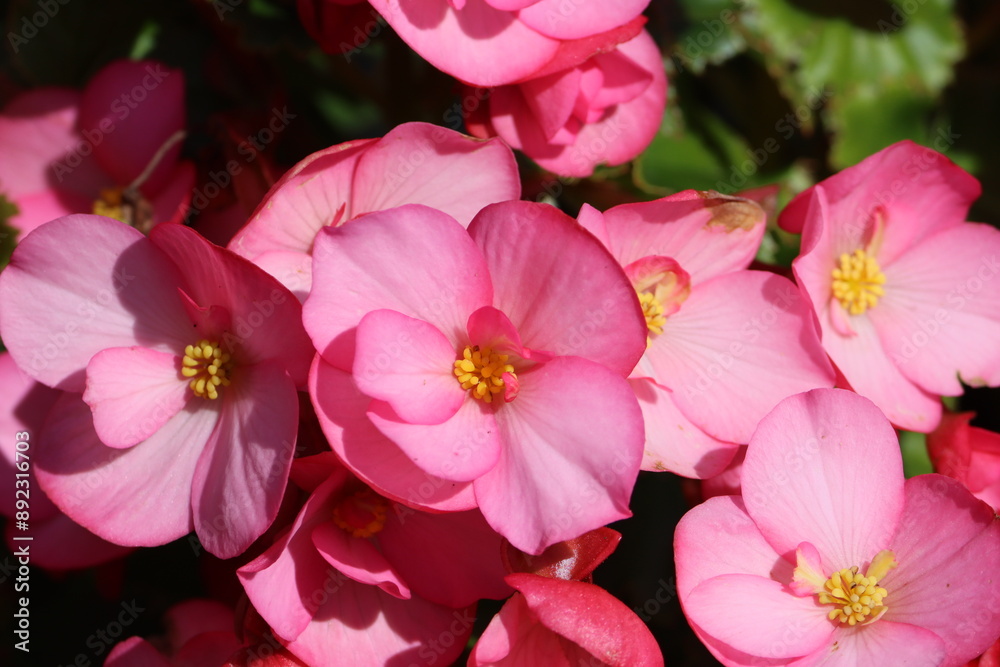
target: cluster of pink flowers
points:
(400, 390)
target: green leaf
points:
(915, 458)
(711, 37)
(8, 233)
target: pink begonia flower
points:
(187, 358)
(200, 633)
(727, 482)
(719, 335)
(558, 622)
(762, 578)
(414, 163)
(58, 542)
(70, 152)
(604, 110)
(969, 454)
(905, 290)
(574, 559)
(495, 356)
(496, 42)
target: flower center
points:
(652, 309)
(361, 514)
(485, 373)
(110, 204)
(208, 367)
(857, 282)
(857, 597)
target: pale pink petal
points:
(63, 301)
(59, 543)
(594, 222)
(135, 652)
(708, 234)
(572, 449)
(673, 443)
(758, 616)
(293, 269)
(824, 467)
(134, 107)
(411, 259)
(241, 474)
(940, 317)
(358, 558)
(266, 318)
(718, 537)
(514, 636)
(452, 558)
(419, 163)
(745, 340)
(476, 44)
(378, 461)
(289, 582)
(490, 327)
(918, 191)
(314, 193)
(37, 129)
(561, 289)
(461, 449)
(859, 354)
(408, 364)
(139, 496)
(581, 18)
(948, 549)
(363, 625)
(36, 209)
(133, 392)
(882, 643)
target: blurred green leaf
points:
(8, 234)
(712, 37)
(915, 458)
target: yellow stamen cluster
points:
(858, 598)
(652, 310)
(857, 282)
(208, 367)
(362, 514)
(481, 371)
(110, 204)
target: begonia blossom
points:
(831, 557)
(969, 454)
(493, 358)
(66, 151)
(180, 362)
(606, 109)
(718, 334)
(904, 288)
(496, 42)
(414, 163)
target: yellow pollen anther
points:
(207, 367)
(652, 309)
(857, 598)
(361, 514)
(481, 371)
(857, 282)
(110, 204)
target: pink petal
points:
(37, 129)
(59, 543)
(461, 449)
(374, 458)
(594, 222)
(134, 107)
(292, 269)
(139, 496)
(266, 318)
(581, 19)
(418, 163)
(745, 340)
(673, 443)
(476, 44)
(572, 449)
(758, 616)
(314, 193)
(241, 474)
(409, 364)
(948, 549)
(882, 643)
(551, 99)
(135, 652)
(940, 316)
(63, 301)
(552, 259)
(444, 281)
(170, 202)
(133, 392)
(358, 558)
(919, 191)
(718, 537)
(451, 558)
(188, 619)
(708, 234)
(363, 625)
(824, 467)
(36, 209)
(209, 649)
